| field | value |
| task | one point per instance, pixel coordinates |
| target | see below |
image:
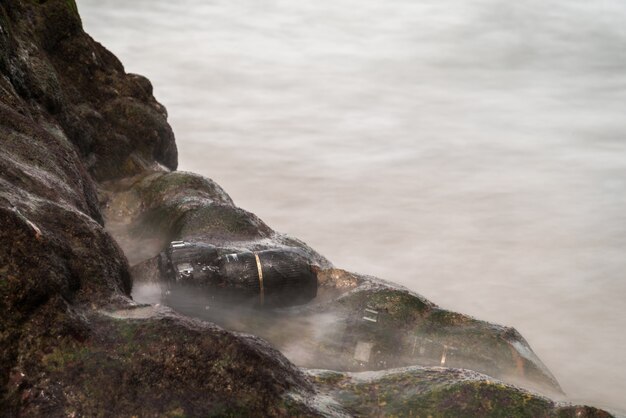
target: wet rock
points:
(438, 392)
(74, 343)
(71, 80)
(370, 325)
(140, 129)
(387, 327)
(60, 355)
(161, 365)
(375, 325)
(150, 210)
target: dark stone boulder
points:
(111, 117)
(143, 361)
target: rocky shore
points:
(88, 188)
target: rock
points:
(401, 328)
(154, 208)
(71, 80)
(440, 392)
(370, 325)
(82, 139)
(64, 102)
(160, 365)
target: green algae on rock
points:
(168, 364)
(438, 392)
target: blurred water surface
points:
(472, 151)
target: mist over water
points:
(296, 335)
(474, 152)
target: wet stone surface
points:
(445, 392)
(87, 191)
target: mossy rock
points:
(400, 306)
(57, 21)
(438, 392)
(376, 326)
(163, 366)
(71, 5)
(168, 188)
(140, 137)
(221, 223)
